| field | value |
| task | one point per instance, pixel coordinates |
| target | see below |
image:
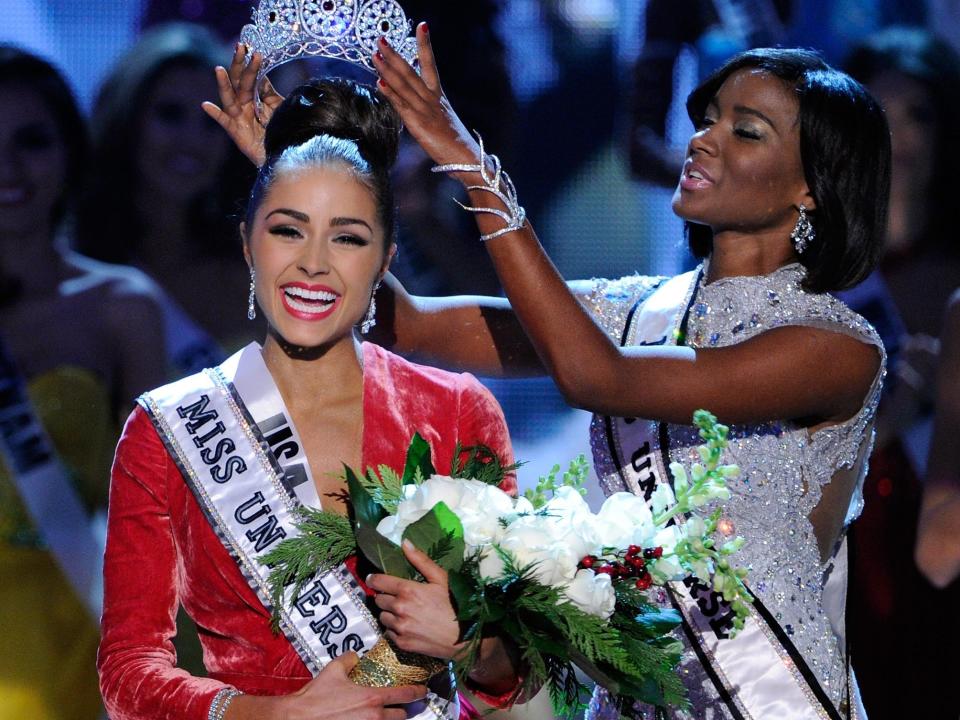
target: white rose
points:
(592, 593)
(491, 566)
(662, 498)
(623, 520)
(667, 538)
(546, 544)
(481, 522)
(418, 500)
(666, 569)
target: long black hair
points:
(114, 174)
(36, 75)
(845, 151)
(931, 62)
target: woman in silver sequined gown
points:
(756, 338)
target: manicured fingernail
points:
(378, 55)
(368, 578)
(381, 83)
(408, 545)
(383, 41)
(426, 30)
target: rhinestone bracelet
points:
(498, 184)
(221, 701)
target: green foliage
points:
(385, 487)
(575, 476)
(387, 556)
(481, 463)
(418, 465)
(367, 513)
(439, 534)
(326, 539)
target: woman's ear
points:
(391, 253)
(807, 200)
(246, 245)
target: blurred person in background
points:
(79, 340)
(916, 78)
(938, 534)
(174, 186)
(716, 29)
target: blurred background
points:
(584, 102)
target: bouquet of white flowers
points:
(568, 586)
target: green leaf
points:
(658, 622)
(418, 456)
(439, 534)
(462, 589)
(367, 512)
(384, 554)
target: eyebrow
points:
(295, 214)
(745, 110)
(341, 221)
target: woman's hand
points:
(329, 696)
(418, 616)
(424, 108)
(238, 114)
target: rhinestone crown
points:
(285, 30)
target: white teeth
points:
(294, 291)
(304, 307)
(694, 174)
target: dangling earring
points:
(803, 233)
(370, 319)
(251, 308)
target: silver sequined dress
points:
(784, 467)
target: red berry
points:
(638, 563)
(604, 570)
(588, 562)
(644, 581)
(658, 552)
(633, 550)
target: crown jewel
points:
(285, 30)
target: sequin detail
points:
(784, 467)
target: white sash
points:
(232, 438)
(759, 674)
(46, 490)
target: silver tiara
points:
(285, 30)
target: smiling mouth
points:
(312, 303)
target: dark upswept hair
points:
(34, 74)
(334, 120)
(921, 56)
(845, 151)
(114, 176)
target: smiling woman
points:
(318, 237)
(78, 341)
(784, 192)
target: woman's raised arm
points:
(778, 374)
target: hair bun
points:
(341, 108)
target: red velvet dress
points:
(161, 550)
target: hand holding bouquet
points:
(567, 586)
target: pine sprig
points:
(385, 489)
(566, 692)
(481, 463)
(326, 539)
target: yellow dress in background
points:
(48, 640)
